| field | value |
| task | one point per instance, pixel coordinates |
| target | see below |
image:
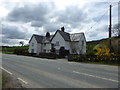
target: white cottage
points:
(38, 44)
(75, 43)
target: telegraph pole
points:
(110, 25)
(119, 24)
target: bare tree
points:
(116, 30)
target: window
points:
(57, 43)
(32, 44)
(44, 44)
(44, 50)
(82, 43)
(52, 46)
(32, 50)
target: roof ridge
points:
(64, 32)
(37, 35)
(77, 33)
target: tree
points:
(21, 43)
(116, 30)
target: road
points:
(44, 73)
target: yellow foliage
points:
(103, 50)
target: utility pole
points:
(110, 25)
(119, 24)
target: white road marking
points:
(95, 76)
(58, 68)
(22, 80)
(51, 60)
(73, 63)
(6, 70)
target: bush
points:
(21, 51)
(52, 50)
(63, 52)
(94, 58)
(73, 57)
(90, 49)
(48, 55)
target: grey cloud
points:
(97, 31)
(51, 27)
(37, 23)
(6, 41)
(46, 16)
(31, 12)
(93, 34)
(40, 15)
(12, 32)
(72, 15)
(104, 28)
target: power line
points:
(102, 15)
(99, 19)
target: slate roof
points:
(68, 36)
(38, 38)
(76, 36)
(65, 35)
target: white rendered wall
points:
(34, 46)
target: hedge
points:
(93, 58)
(48, 55)
(21, 51)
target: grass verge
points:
(5, 52)
(102, 63)
(4, 80)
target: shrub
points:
(48, 55)
(52, 50)
(21, 51)
(63, 52)
(90, 49)
(75, 57)
(103, 52)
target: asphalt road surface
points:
(47, 73)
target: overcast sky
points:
(20, 19)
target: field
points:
(10, 50)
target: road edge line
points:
(22, 80)
(95, 76)
(6, 70)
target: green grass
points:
(4, 80)
(5, 52)
(11, 49)
(90, 48)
